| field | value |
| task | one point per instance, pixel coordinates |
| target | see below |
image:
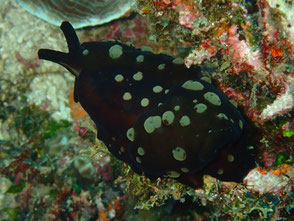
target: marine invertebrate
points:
(80, 13)
(155, 114)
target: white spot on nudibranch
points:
(168, 117)
(220, 171)
(151, 123)
(222, 116)
(85, 52)
(157, 89)
(140, 151)
(161, 67)
(144, 102)
(185, 121)
(179, 154)
(115, 51)
(138, 160)
(131, 134)
(138, 76)
(206, 79)
(178, 61)
(241, 124)
(234, 103)
(212, 98)
(200, 108)
(127, 96)
(231, 158)
(146, 48)
(193, 85)
(177, 108)
(173, 174)
(185, 170)
(119, 78)
(140, 58)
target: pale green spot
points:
(220, 171)
(151, 123)
(185, 170)
(157, 89)
(141, 151)
(200, 108)
(146, 48)
(131, 134)
(156, 121)
(177, 108)
(140, 58)
(138, 160)
(195, 101)
(193, 85)
(119, 78)
(206, 79)
(179, 154)
(212, 98)
(231, 158)
(144, 102)
(234, 103)
(241, 124)
(168, 117)
(115, 51)
(127, 96)
(161, 67)
(173, 174)
(85, 52)
(138, 76)
(128, 43)
(185, 121)
(222, 116)
(178, 61)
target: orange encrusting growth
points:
(277, 52)
(77, 111)
(281, 170)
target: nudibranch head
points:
(155, 114)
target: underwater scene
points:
(147, 110)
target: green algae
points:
(281, 158)
(17, 188)
(13, 214)
(288, 133)
(53, 126)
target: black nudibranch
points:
(155, 114)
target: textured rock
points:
(80, 13)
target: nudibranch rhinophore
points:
(153, 113)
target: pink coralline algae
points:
(268, 63)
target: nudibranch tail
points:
(68, 60)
